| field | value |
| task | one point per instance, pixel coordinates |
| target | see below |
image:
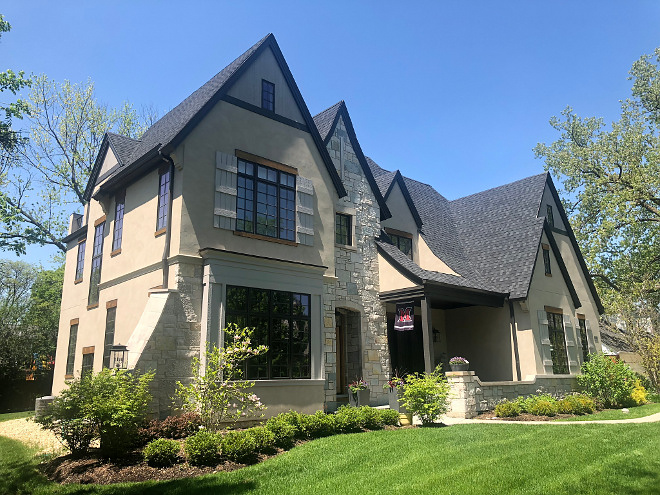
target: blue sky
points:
(455, 94)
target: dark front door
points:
(406, 348)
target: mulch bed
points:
(523, 417)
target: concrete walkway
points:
(461, 421)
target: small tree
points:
(426, 395)
(218, 392)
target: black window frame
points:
(549, 215)
(397, 240)
(267, 95)
(118, 228)
(87, 365)
(97, 263)
(344, 229)
(298, 363)
(80, 260)
(582, 325)
(109, 337)
(557, 336)
(546, 261)
(71, 350)
(252, 189)
(164, 179)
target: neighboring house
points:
(238, 206)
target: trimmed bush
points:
(264, 439)
(348, 419)
(239, 446)
(507, 409)
(297, 420)
(576, 404)
(389, 417)
(609, 381)
(319, 425)
(161, 452)
(285, 434)
(203, 449)
(543, 407)
(180, 426)
(370, 418)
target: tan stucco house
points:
(239, 206)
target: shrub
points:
(348, 419)
(319, 424)
(297, 421)
(161, 452)
(203, 448)
(506, 409)
(389, 417)
(611, 382)
(543, 407)
(285, 434)
(175, 427)
(576, 404)
(264, 439)
(370, 418)
(639, 394)
(239, 446)
(426, 395)
(520, 402)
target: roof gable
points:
(398, 180)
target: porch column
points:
(427, 335)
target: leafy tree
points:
(46, 176)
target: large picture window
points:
(558, 343)
(265, 201)
(97, 258)
(281, 320)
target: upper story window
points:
(265, 201)
(403, 241)
(119, 223)
(583, 338)
(267, 95)
(546, 260)
(163, 198)
(80, 261)
(343, 232)
(549, 215)
(97, 258)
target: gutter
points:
(168, 231)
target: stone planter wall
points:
(470, 396)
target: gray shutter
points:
(571, 348)
(590, 337)
(224, 212)
(546, 347)
(304, 211)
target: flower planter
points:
(394, 395)
(359, 398)
(459, 367)
(406, 419)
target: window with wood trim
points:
(71, 350)
(546, 260)
(281, 320)
(80, 260)
(119, 221)
(267, 95)
(109, 340)
(265, 201)
(550, 216)
(343, 229)
(97, 260)
(558, 343)
(403, 243)
(163, 197)
(87, 364)
(583, 339)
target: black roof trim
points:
(75, 235)
(398, 179)
(342, 111)
(265, 113)
(140, 167)
(98, 163)
(562, 266)
(574, 243)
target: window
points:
(267, 95)
(80, 260)
(549, 216)
(97, 258)
(546, 260)
(119, 222)
(404, 243)
(343, 233)
(87, 362)
(265, 201)
(281, 320)
(71, 352)
(163, 198)
(583, 338)
(558, 343)
(109, 339)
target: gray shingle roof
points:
(123, 147)
(383, 177)
(326, 118)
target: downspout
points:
(514, 334)
(168, 232)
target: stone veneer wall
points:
(356, 284)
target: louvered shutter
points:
(224, 212)
(304, 211)
(546, 346)
(571, 348)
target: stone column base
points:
(463, 402)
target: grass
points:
(16, 415)
(607, 414)
(466, 459)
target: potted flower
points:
(359, 393)
(459, 363)
(394, 387)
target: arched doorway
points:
(349, 348)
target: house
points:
(239, 206)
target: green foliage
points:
(203, 448)
(348, 419)
(543, 407)
(319, 425)
(297, 420)
(370, 418)
(264, 439)
(239, 446)
(426, 396)
(285, 433)
(639, 395)
(389, 417)
(609, 381)
(506, 409)
(161, 452)
(218, 392)
(577, 404)
(179, 426)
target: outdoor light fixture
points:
(119, 357)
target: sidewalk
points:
(461, 421)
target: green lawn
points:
(635, 412)
(16, 415)
(466, 459)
